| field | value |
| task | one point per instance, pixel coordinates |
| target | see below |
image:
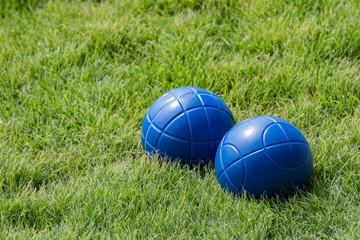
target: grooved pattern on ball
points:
(274, 147)
(202, 117)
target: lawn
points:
(76, 78)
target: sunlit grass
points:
(76, 78)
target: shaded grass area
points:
(76, 78)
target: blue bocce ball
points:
(263, 155)
(186, 124)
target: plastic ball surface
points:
(186, 124)
(263, 155)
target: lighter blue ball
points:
(263, 155)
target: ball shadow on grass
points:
(202, 169)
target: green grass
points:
(76, 78)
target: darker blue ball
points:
(186, 124)
(263, 155)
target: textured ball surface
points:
(263, 155)
(187, 124)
